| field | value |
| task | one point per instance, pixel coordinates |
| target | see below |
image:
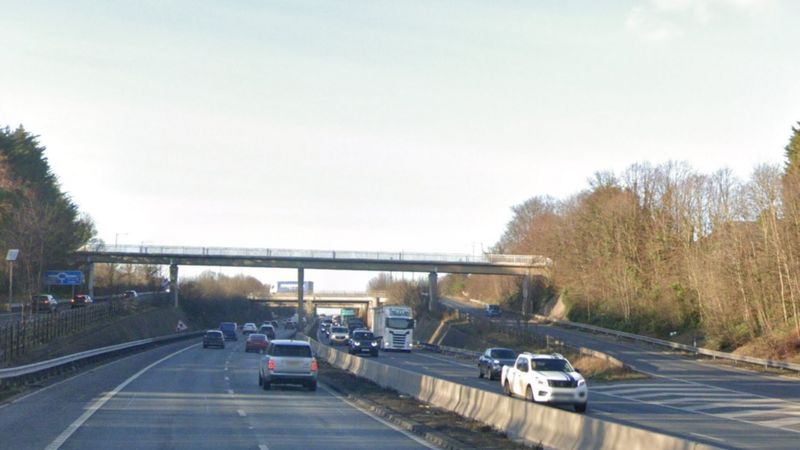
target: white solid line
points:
(263, 447)
(230, 391)
(409, 435)
(227, 379)
(73, 427)
(708, 437)
(446, 360)
(241, 413)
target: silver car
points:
(339, 336)
(288, 362)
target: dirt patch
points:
(140, 324)
(463, 433)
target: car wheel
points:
(312, 386)
(580, 407)
(265, 385)
(491, 375)
(205, 346)
(260, 380)
(529, 394)
(506, 389)
(480, 372)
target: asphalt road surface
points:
(183, 396)
(694, 399)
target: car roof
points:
(500, 348)
(543, 356)
(362, 330)
(257, 335)
(213, 331)
(291, 342)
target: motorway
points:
(183, 396)
(696, 400)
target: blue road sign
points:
(63, 277)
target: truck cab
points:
(547, 379)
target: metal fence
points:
(20, 337)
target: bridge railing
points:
(487, 258)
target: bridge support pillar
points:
(301, 310)
(173, 283)
(433, 291)
(90, 279)
(526, 291)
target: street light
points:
(11, 256)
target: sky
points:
(382, 125)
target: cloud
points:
(664, 20)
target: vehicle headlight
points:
(581, 382)
(356, 343)
(496, 362)
(542, 382)
(374, 344)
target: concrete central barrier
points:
(529, 422)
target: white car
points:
(547, 379)
(249, 327)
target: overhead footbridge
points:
(432, 263)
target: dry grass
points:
(597, 369)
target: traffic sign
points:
(63, 277)
(12, 254)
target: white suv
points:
(288, 362)
(545, 378)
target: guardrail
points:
(15, 373)
(766, 363)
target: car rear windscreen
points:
(298, 351)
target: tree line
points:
(664, 247)
(36, 216)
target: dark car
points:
(268, 330)
(363, 341)
(493, 310)
(130, 294)
(229, 331)
(256, 342)
(491, 362)
(354, 323)
(44, 303)
(213, 338)
(80, 300)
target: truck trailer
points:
(394, 326)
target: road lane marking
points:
(708, 437)
(230, 391)
(447, 360)
(263, 447)
(73, 427)
(39, 391)
(227, 379)
(407, 434)
(241, 413)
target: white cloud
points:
(664, 20)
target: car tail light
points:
(271, 364)
(313, 365)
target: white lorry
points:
(394, 326)
(545, 378)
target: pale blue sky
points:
(371, 125)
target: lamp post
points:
(11, 256)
